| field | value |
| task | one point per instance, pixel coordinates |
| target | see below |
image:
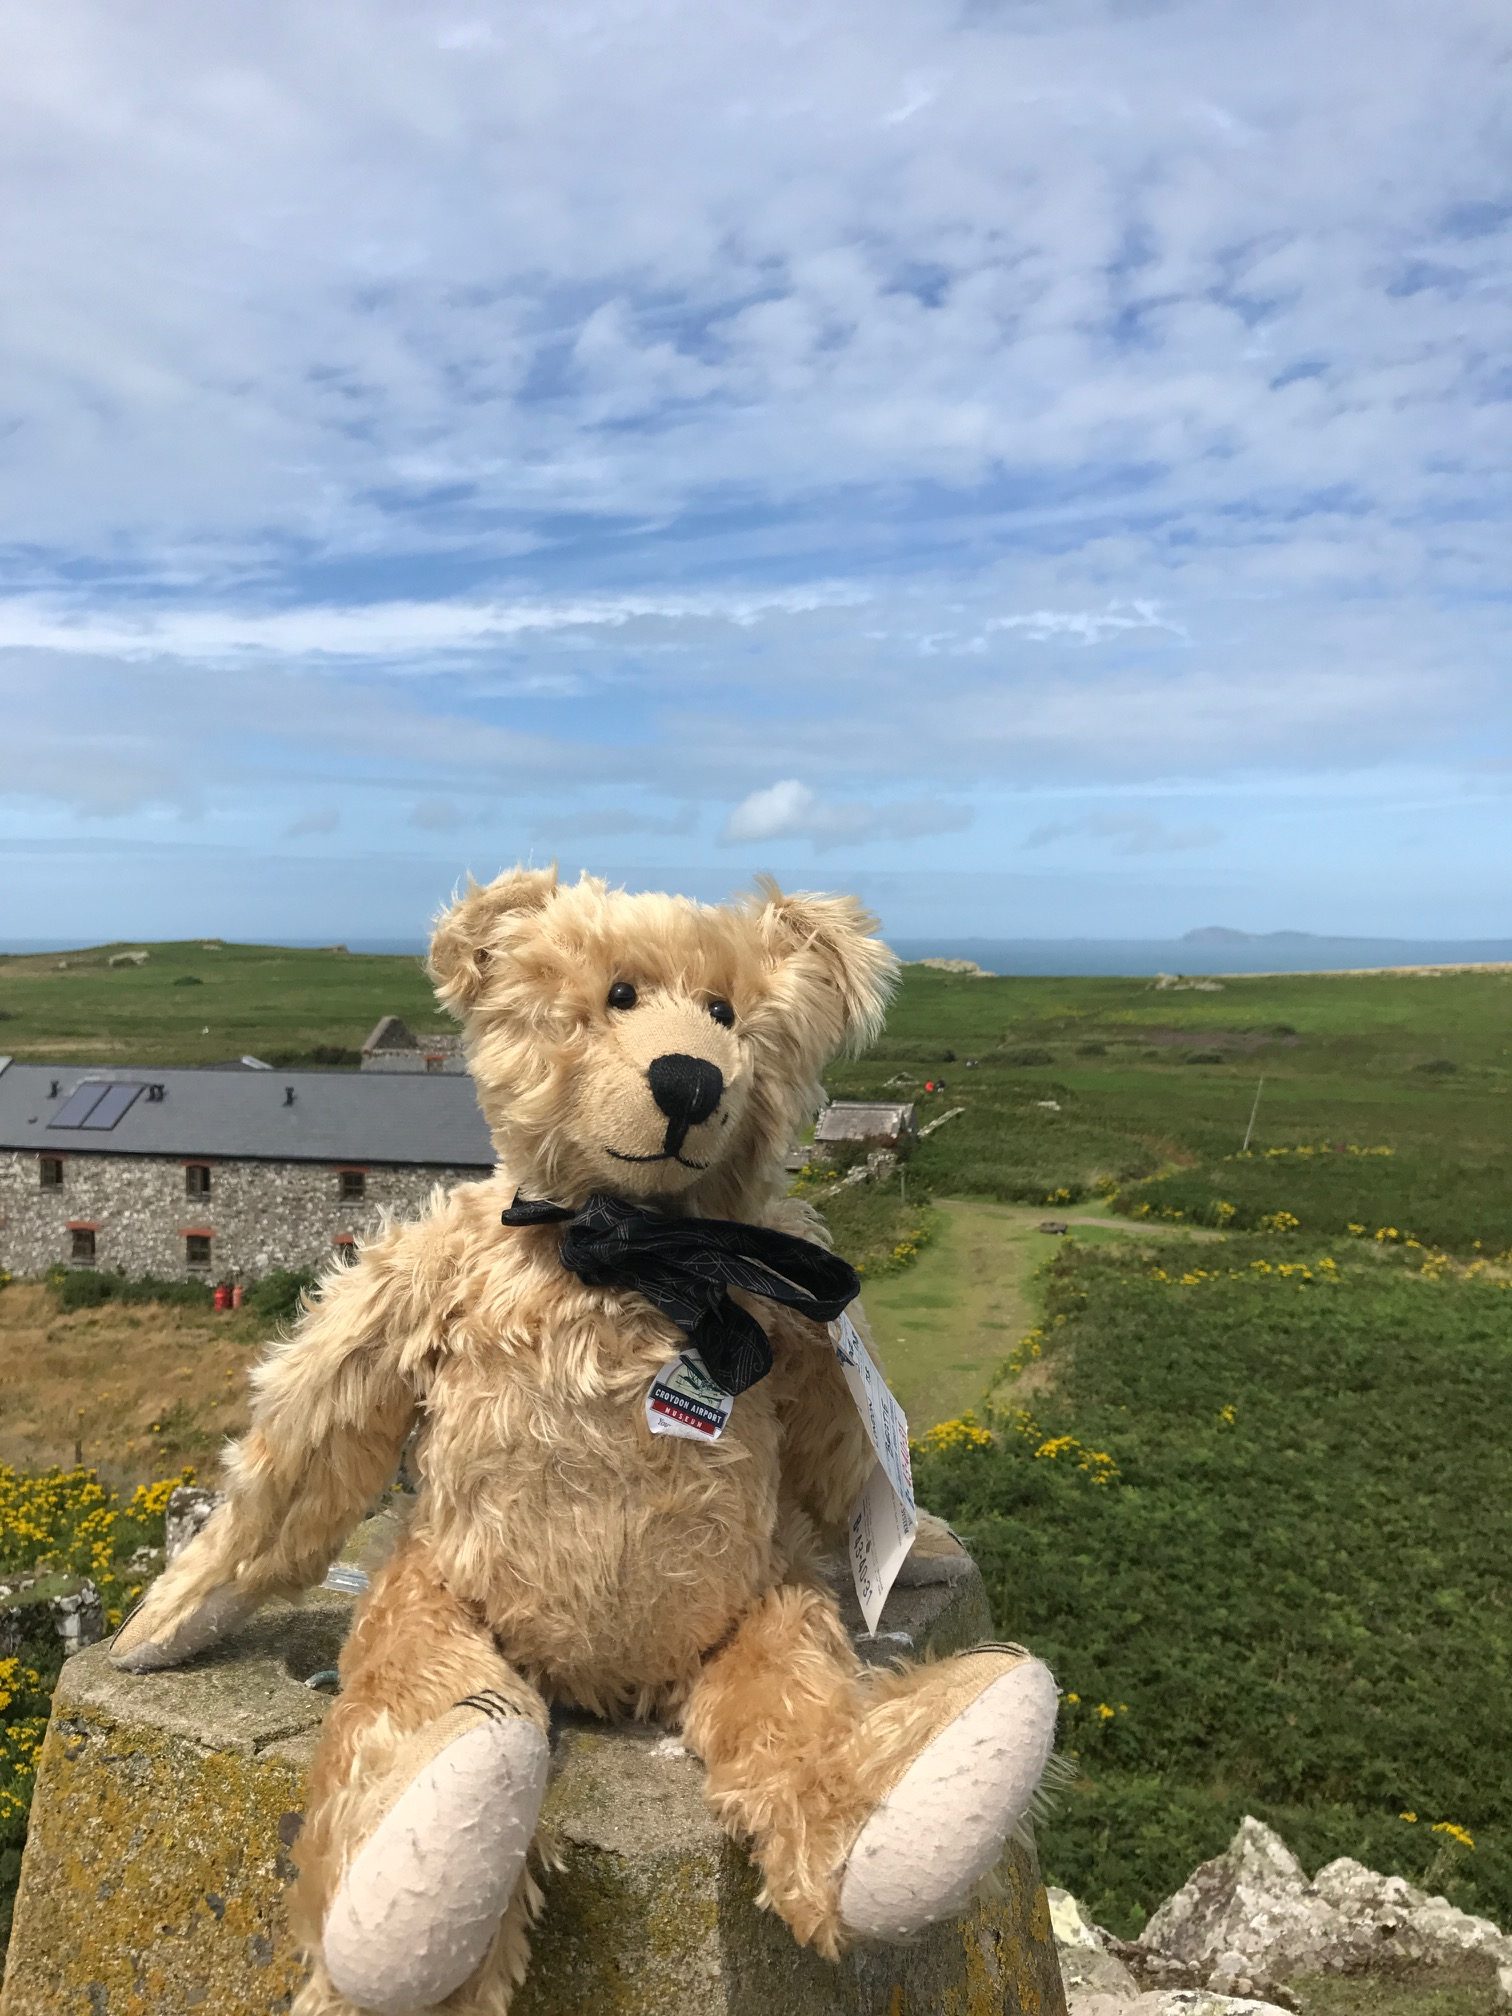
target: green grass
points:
(1297, 1609)
(944, 1324)
(279, 1004)
(1118, 1104)
(1303, 1608)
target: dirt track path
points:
(945, 1324)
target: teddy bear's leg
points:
(874, 1801)
(423, 1801)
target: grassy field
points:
(132, 1392)
(203, 1002)
(944, 1324)
(1249, 1497)
(1241, 1470)
(1081, 1086)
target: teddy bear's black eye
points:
(723, 1014)
(622, 995)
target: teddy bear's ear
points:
(832, 941)
(469, 933)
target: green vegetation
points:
(1122, 1106)
(290, 1007)
(1254, 1511)
(60, 1525)
(1240, 1474)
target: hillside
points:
(204, 1002)
(1230, 1460)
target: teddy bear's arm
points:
(333, 1404)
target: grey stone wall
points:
(260, 1215)
(451, 1062)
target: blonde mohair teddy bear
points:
(664, 1054)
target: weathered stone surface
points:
(1088, 1969)
(189, 1506)
(260, 1215)
(1252, 1915)
(1250, 1911)
(1172, 2002)
(1395, 1922)
(165, 1805)
(39, 1611)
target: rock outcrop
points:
(1249, 1923)
(1252, 1912)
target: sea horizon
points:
(1201, 954)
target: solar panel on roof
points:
(105, 1115)
(79, 1104)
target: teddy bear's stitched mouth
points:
(681, 1160)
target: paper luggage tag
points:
(685, 1401)
(885, 1520)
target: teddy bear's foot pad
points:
(942, 1826)
(143, 1646)
(421, 1899)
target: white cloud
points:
(422, 632)
(376, 272)
(791, 810)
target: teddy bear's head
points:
(650, 1045)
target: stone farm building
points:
(221, 1173)
(393, 1046)
(875, 1124)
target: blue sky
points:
(1046, 466)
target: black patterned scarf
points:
(684, 1266)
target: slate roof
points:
(858, 1120)
(409, 1119)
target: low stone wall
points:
(166, 1806)
(260, 1215)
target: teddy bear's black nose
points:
(687, 1089)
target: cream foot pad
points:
(943, 1824)
(422, 1897)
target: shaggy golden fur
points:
(557, 1551)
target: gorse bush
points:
(61, 1522)
(1289, 1596)
(1330, 1187)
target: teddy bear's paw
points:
(149, 1639)
(990, 1721)
(422, 1897)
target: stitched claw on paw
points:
(157, 1635)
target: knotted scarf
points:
(685, 1266)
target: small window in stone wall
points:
(51, 1169)
(197, 1249)
(196, 1179)
(83, 1246)
(351, 1185)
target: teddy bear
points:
(644, 1063)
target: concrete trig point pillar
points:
(166, 1806)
